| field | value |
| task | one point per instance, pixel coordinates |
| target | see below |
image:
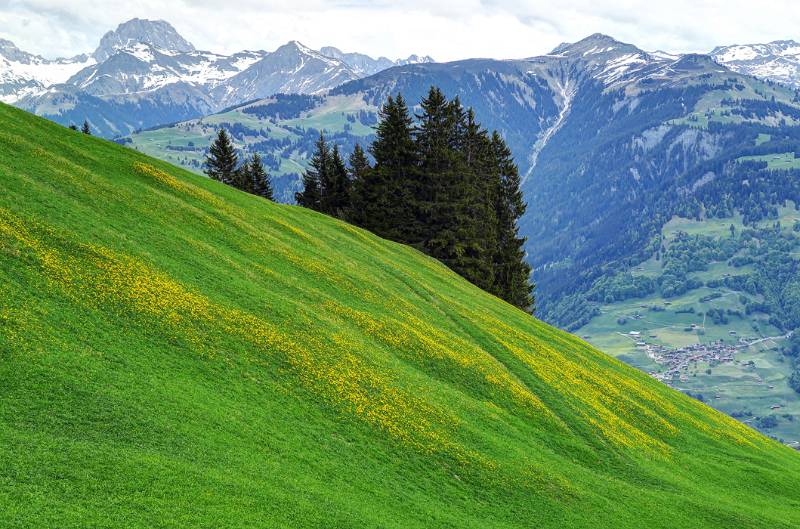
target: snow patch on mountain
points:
(778, 61)
(364, 65)
(23, 74)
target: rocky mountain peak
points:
(595, 45)
(157, 33)
(10, 51)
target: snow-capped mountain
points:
(144, 73)
(616, 63)
(292, 68)
(364, 65)
(23, 74)
(777, 61)
(142, 67)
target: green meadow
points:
(175, 353)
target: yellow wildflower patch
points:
(170, 181)
(102, 276)
(424, 343)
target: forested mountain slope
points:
(178, 353)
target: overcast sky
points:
(444, 29)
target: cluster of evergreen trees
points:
(222, 164)
(85, 128)
(440, 183)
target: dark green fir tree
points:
(336, 192)
(259, 178)
(316, 177)
(222, 162)
(359, 169)
(444, 186)
(387, 194)
(512, 272)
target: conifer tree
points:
(387, 193)
(315, 179)
(86, 129)
(222, 161)
(336, 191)
(259, 179)
(73, 126)
(512, 273)
(445, 189)
(242, 179)
(359, 177)
(482, 183)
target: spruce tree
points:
(445, 188)
(73, 126)
(512, 273)
(482, 183)
(316, 178)
(359, 177)
(259, 179)
(387, 194)
(86, 129)
(222, 162)
(242, 179)
(336, 194)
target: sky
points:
(444, 29)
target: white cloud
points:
(445, 29)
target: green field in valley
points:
(754, 383)
(785, 160)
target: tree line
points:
(222, 164)
(440, 183)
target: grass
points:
(178, 354)
(775, 161)
(711, 107)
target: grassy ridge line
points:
(177, 353)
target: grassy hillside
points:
(179, 354)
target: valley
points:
(705, 341)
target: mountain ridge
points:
(145, 60)
(157, 33)
(778, 60)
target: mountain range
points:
(777, 61)
(144, 74)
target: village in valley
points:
(676, 362)
(678, 366)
